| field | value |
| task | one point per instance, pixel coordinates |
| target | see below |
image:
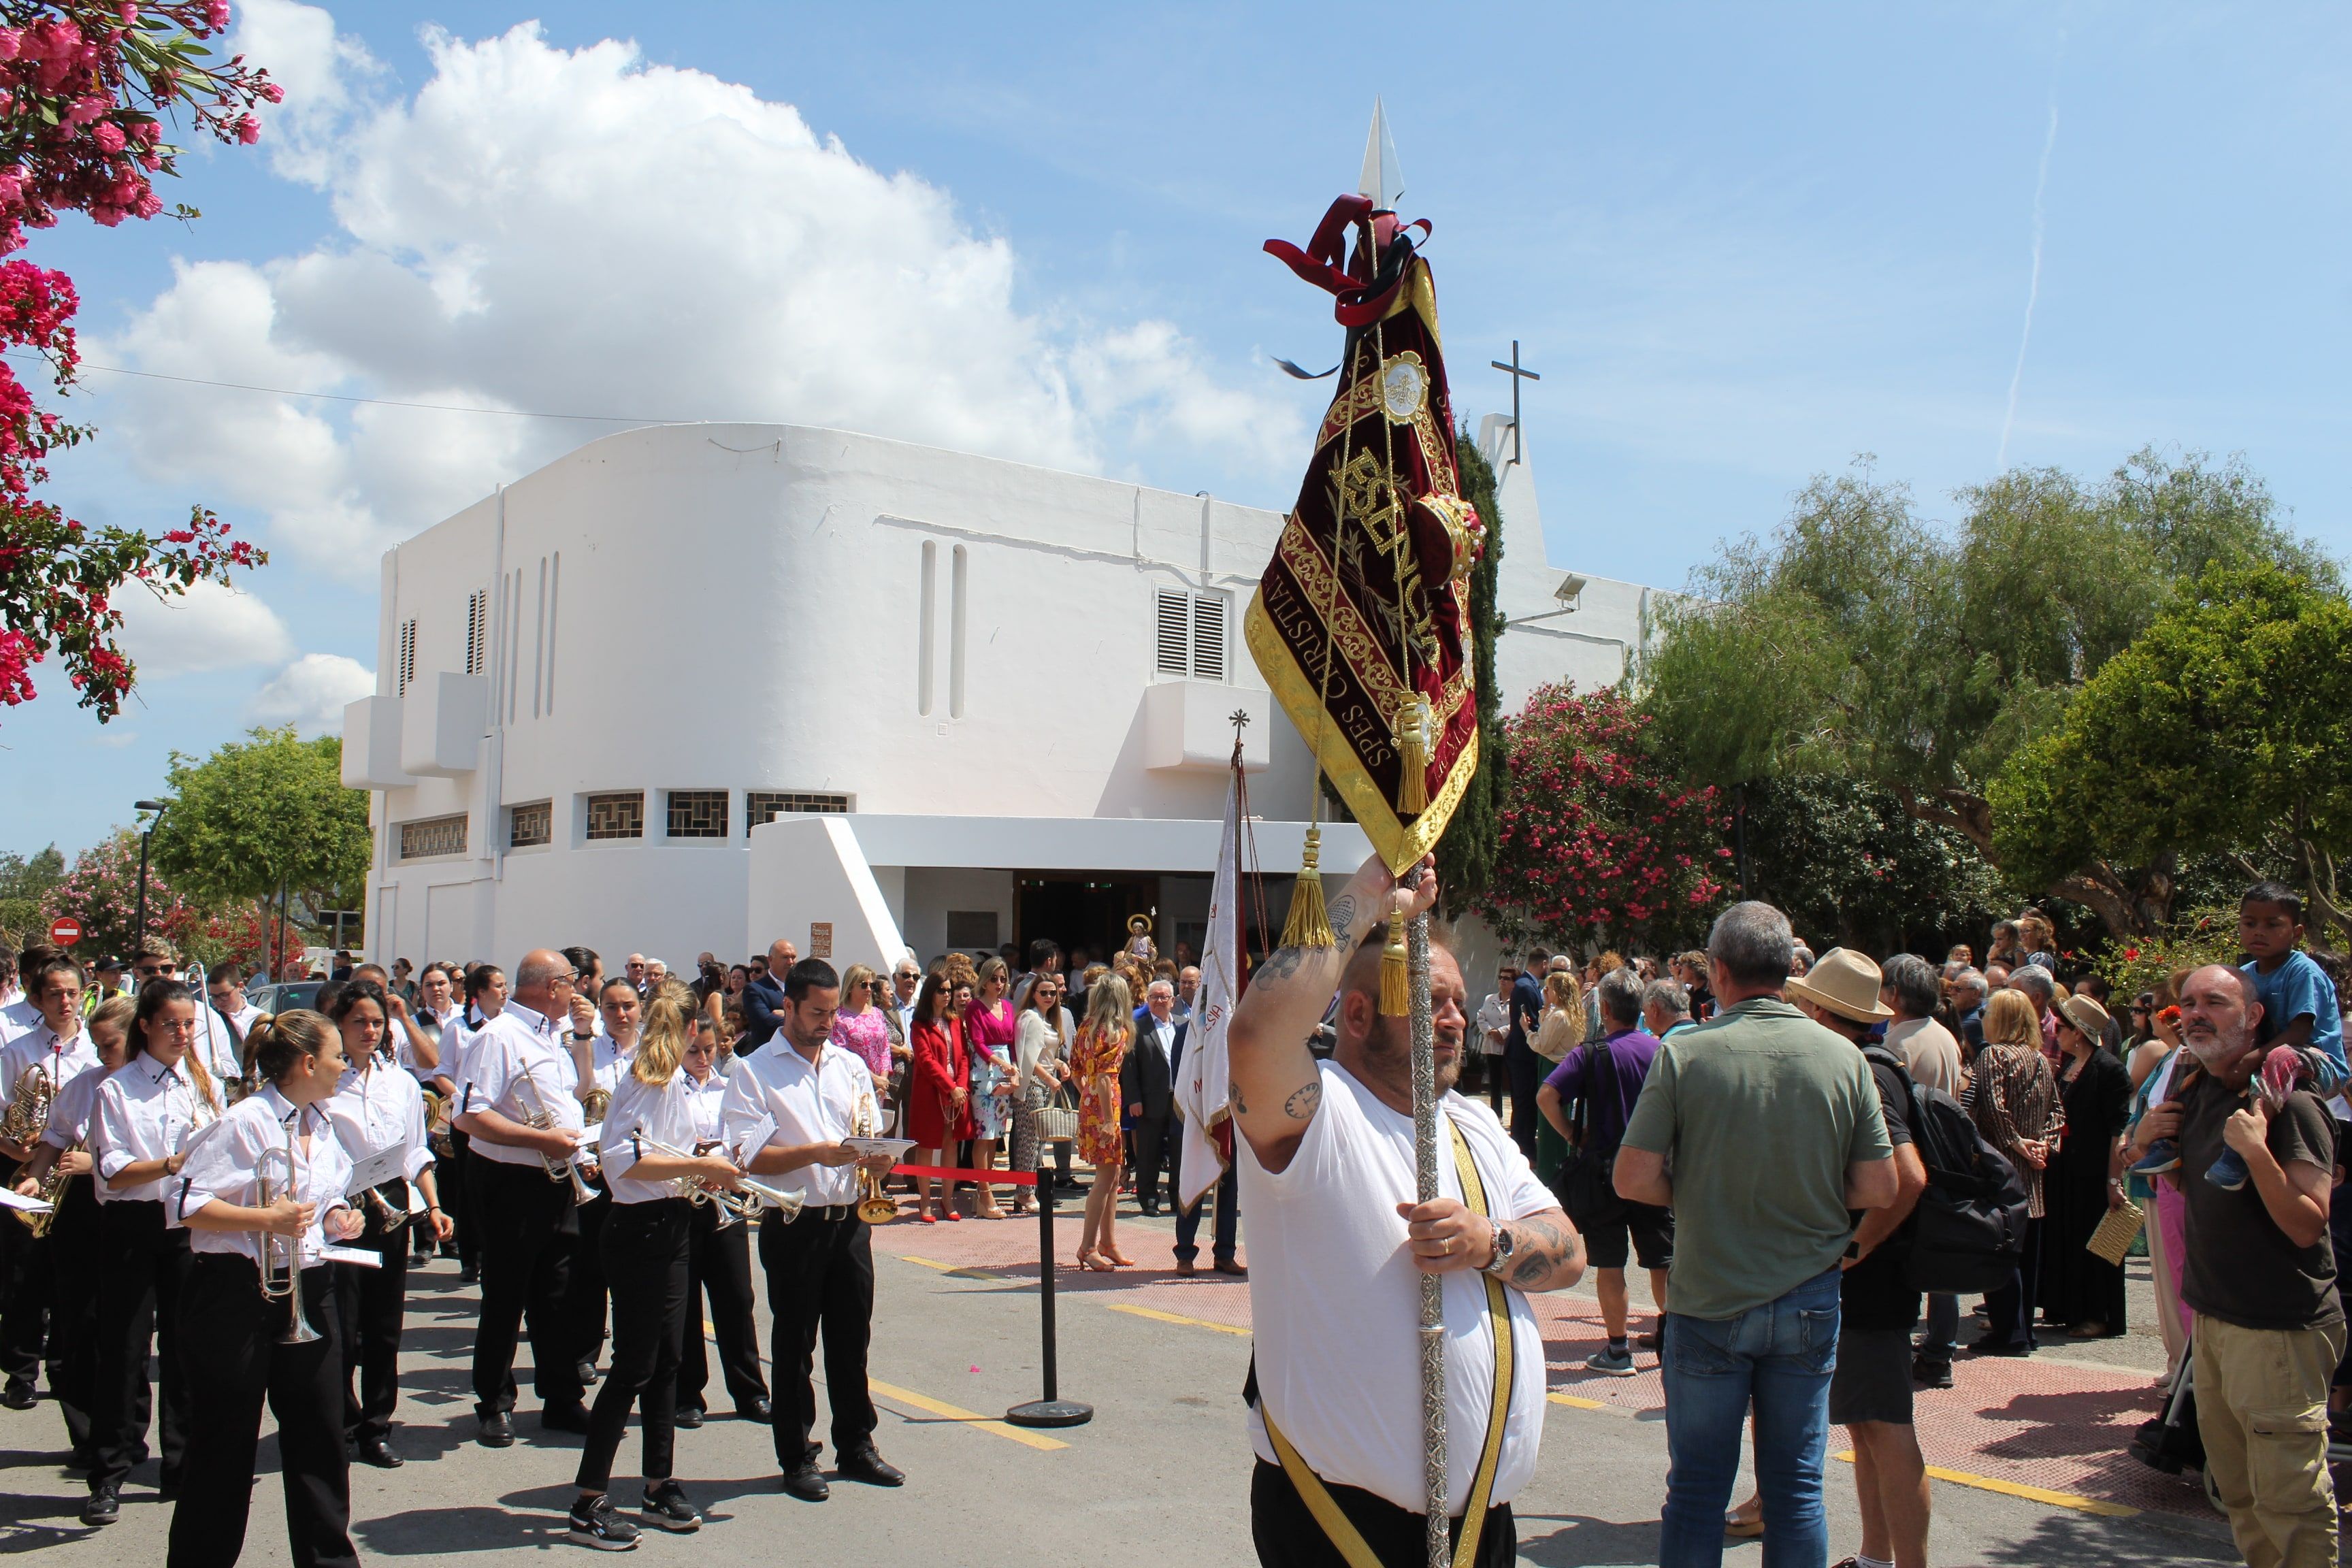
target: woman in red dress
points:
(939, 1094)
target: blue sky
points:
(1742, 244)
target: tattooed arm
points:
(1547, 1254)
(1276, 1086)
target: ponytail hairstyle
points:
(477, 980)
(153, 997)
(279, 1043)
(669, 1024)
(350, 995)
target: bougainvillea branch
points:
(86, 91)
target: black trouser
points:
(369, 1305)
(1227, 1194)
(238, 1363)
(1286, 1535)
(1492, 1066)
(141, 1269)
(645, 1248)
(458, 1199)
(74, 1254)
(820, 1271)
(2009, 1311)
(1525, 1069)
(26, 1289)
(718, 1268)
(528, 1228)
(585, 1294)
(1151, 1155)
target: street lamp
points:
(138, 921)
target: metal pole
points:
(1052, 1410)
(138, 921)
(1433, 1286)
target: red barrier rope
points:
(958, 1174)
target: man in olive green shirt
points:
(1761, 1130)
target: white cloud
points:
(309, 693)
(579, 232)
(208, 627)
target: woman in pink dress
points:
(858, 1028)
(990, 1029)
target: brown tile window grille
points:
(767, 805)
(433, 836)
(529, 826)
(616, 816)
(697, 814)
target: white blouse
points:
(57, 1058)
(226, 1167)
(516, 1049)
(662, 1112)
(146, 1111)
(708, 1099)
(377, 1109)
(75, 1109)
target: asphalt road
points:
(1160, 1474)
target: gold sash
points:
(1337, 1525)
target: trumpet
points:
(749, 1202)
(281, 1256)
(27, 1116)
(564, 1168)
(874, 1206)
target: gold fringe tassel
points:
(1396, 977)
(1309, 923)
(1413, 725)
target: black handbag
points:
(1586, 1180)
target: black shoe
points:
(103, 1506)
(863, 1464)
(1152, 1211)
(688, 1417)
(18, 1396)
(469, 1275)
(756, 1408)
(498, 1432)
(1930, 1373)
(564, 1418)
(587, 1370)
(377, 1452)
(806, 1482)
(595, 1525)
(666, 1508)
(1991, 1346)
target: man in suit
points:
(1144, 1079)
(1227, 1197)
(1521, 1065)
(763, 996)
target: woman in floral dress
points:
(988, 1032)
(1094, 1062)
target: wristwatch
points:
(1504, 1245)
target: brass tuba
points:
(53, 1193)
(874, 1206)
(27, 1116)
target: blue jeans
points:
(1777, 1356)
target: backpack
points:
(1967, 1233)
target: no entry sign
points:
(65, 931)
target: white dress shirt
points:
(73, 1111)
(222, 1049)
(779, 1096)
(708, 1100)
(18, 1017)
(608, 1062)
(432, 1028)
(56, 1057)
(378, 1110)
(226, 1166)
(662, 1113)
(146, 1111)
(516, 1047)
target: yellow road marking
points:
(978, 1422)
(1158, 1316)
(953, 1271)
(1577, 1402)
(2074, 1501)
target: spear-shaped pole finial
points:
(1383, 179)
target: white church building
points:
(700, 686)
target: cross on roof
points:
(1517, 373)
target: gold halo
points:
(1138, 925)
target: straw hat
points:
(1844, 982)
(2086, 1015)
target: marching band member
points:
(718, 1264)
(225, 992)
(36, 1066)
(788, 1107)
(419, 1029)
(520, 1107)
(23, 1012)
(270, 1179)
(147, 1113)
(73, 1229)
(376, 1109)
(485, 993)
(603, 1037)
(646, 1241)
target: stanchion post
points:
(1052, 1410)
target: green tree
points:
(102, 893)
(1852, 868)
(1465, 853)
(265, 817)
(25, 881)
(1861, 641)
(2226, 724)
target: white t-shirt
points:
(1928, 1050)
(1336, 1301)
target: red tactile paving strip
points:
(2028, 1421)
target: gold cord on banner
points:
(1396, 979)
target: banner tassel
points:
(1414, 724)
(1309, 924)
(1396, 977)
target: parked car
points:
(286, 996)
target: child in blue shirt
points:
(2299, 1015)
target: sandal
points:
(1120, 1259)
(1096, 1262)
(1741, 1526)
